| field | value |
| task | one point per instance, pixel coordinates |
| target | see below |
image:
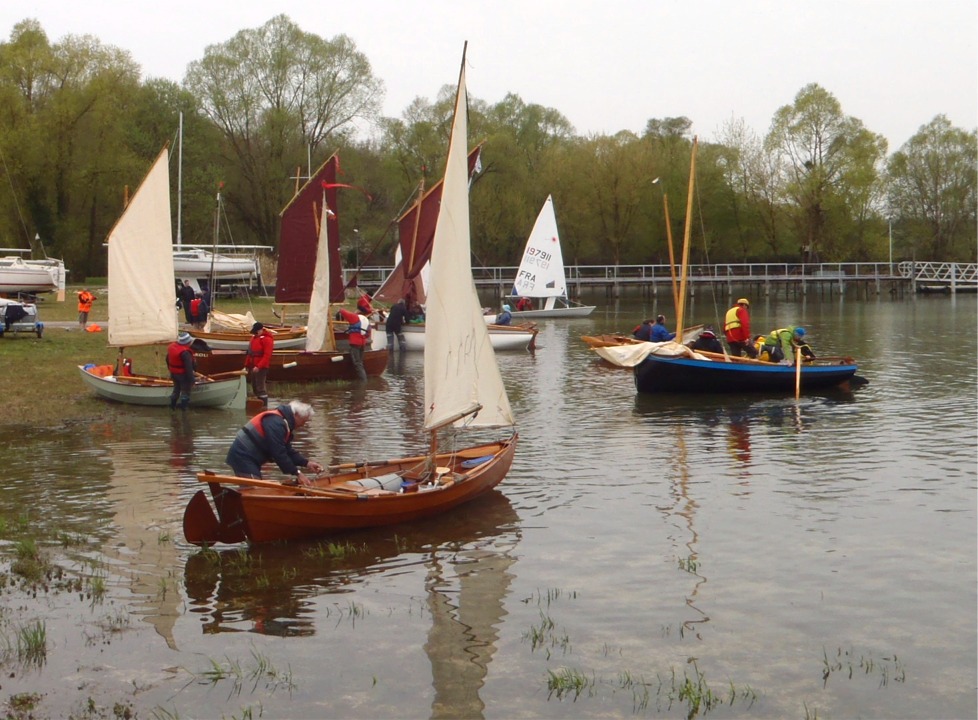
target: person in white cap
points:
(180, 363)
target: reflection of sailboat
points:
(463, 390)
(142, 548)
(141, 307)
(541, 273)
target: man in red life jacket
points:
(364, 306)
(258, 359)
(357, 335)
(267, 437)
(180, 363)
(736, 328)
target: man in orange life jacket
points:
(258, 359)
(180, 363)
(268, 437)
(357, 335)
(85, 300)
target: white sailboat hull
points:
(230, 391)
(501, 338)
(18, 275)
(202, 263)
(573, 311)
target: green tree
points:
(933, 191)
(825, 154)
(276, 92)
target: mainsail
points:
(463, 374)
(541, 272)
(318, 326)
(141, 291)
(298, 239)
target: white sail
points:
(318, 324)
(142, 302)
(462, 374)
(541, 273)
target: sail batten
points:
(141, 302)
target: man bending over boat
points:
(267, 437)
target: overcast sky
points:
(607, 66)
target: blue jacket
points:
(660, 334)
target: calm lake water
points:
(775, 558)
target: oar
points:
(272, 485)
(797, 373)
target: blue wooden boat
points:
(717, 374)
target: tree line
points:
(79, 129)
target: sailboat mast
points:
(685, 261)
(180, 184)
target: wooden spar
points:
(797, 373)
(672, 256)
(417, 222)
(685, 261)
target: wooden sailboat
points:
(141, 308)
(540, 277)
(416, 235)
(463, 391)
(673, 367)
(317, 280)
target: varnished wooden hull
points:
(296, 365)
(280, 513)
(285, 339)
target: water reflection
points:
(466, 556)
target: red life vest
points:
(256, 425)
(174, 361)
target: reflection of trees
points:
(467, 553)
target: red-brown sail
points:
(299, 236)
(415, 235)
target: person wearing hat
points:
(505, 317)
(708, 342)
(785, 341)
(660, 333)
(258, 359)
(736, 328)
(180, 363)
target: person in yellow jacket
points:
(784, 341)
(85, 300)
(736, 328)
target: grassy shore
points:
(44, 388)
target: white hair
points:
(301, 409)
